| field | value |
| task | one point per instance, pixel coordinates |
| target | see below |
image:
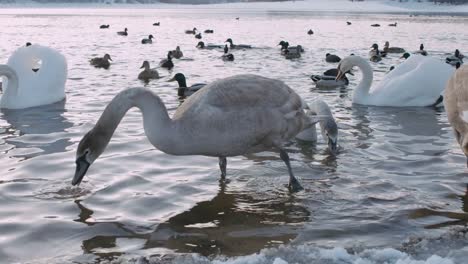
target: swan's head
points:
(201, 44)
(330, 129)
(107, 57)
(145, 65)
(90, 148)
(345, 66)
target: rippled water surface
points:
(136, 199)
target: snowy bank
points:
(369, 6)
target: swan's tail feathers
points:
(437, 102)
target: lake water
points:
(137, 201)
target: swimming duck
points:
(193, 31)
(227, 56)
(201, 45)
(421, 50)
(328, 79)
(310, 32)
(393, 24)
(332, 58)
(237, 46)
(167, 63)
(285, 46)
(156, 24)
(374, 54)
(103, 62)
(148, 40)
(123, 33)
(104, 26)
(148, 73)
(183, 90)
(198, 36)
(457, 57)
(388, 49)
(375, 25)
(209, 31)
(177, 53)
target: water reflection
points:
(34, 130)
(232, 223)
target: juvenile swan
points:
(229, 117)
(456, 106)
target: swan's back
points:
(45, 86)
(418, 81)
(242, 114)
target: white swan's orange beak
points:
(340, 75)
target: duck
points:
(237, 46)
(332, 58)
(285, 46)
(392, 24)
(320, 112)
(348, 23)
(388, 49)
(177, 53)
(310, 32)
(198, 36)
(103, 26)
(209, 31)
(167, 63)
(375, 25)
(418, 81)
(456, 106)
(328, 79)
(157, 24)
(148, 40)
(123, 33)
(148, 73)
(193, 31)
(26, 88)
(374, 53)
(201, 45)
(184, 90)
(101, 62)
(227, 56)
(421, 50)
(232, 116)
(457, 57)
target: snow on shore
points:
(375, 6)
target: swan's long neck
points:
(157, 124)
(362, 90)
(10, 74)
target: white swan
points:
(456, 106)
(229, 117)
(418, 81)
(322, 114)
(25, 87)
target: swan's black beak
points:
(332, 145)
(340, 75)
(82, 166)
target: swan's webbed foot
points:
(294, 185)
(222, 167)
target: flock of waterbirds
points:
(248, 113)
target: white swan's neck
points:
(158, 126)
(12, 88)
(361, 92)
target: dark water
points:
(138, 200)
